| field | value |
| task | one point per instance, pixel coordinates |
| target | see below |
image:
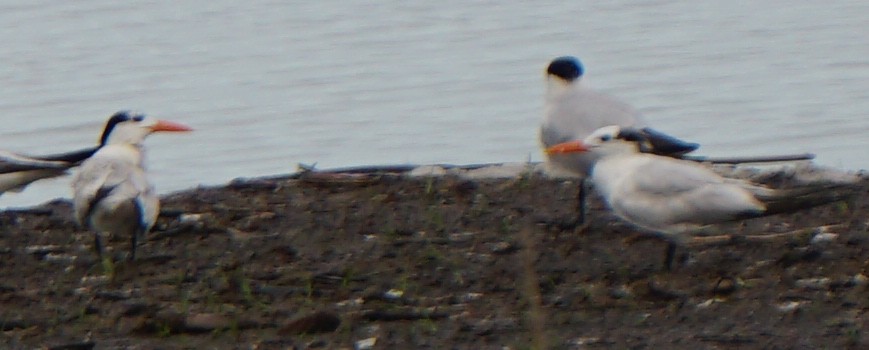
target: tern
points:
(573, 111)
(111, 193)
(678, 199)
(18, 170)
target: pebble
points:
(814, 283)
(43, 249)
(621, 292)
(859, 279)
(821, 238)
(190, 218)
(471, 296)
(350, 302)
(365, 344)
(393, 294)
(61, 258)
(502, 247)
(789, 306)
(94, 280)
(707, 303)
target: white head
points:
(128, 128)
(607, 140)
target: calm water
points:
(269, 84)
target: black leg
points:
(580, 203)
(133, 245)
(670, 255)
(98, 245)
(576, 220)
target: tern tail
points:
(789, 200)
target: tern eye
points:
(605, 138)
(138, 118)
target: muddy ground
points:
(344, 262)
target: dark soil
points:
(426, 263)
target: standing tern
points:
(111, 192)
(678, 198)
(573, 111)
(18, 170)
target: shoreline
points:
(328, 260)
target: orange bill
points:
(163, 125)
(567, 147)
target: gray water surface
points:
(269, 84)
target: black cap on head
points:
(115, 119)
(631, 135)
(567, 68)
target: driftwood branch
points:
(306, 169)
(756, 159)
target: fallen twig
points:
(756, 159)
(308, 170)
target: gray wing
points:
(671, 196)
(578, 113)
(108, 179)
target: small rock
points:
(502, 248)
(471, 296)
(461, 237)
(582, 341)
(859, 279)
(789, 306)
(350, 302)
(365, 344)
(725, 286)
(94, 280)
(393, 294)
(708, 303)
(822, 238)
(818, 283)
(59, 258)
(372, 329)
(318, 322)
(621, 292)
(190, 218)
(43, 249)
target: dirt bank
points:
(428, 262)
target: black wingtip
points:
(663, 144)
(73, 158)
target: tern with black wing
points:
(677, 198)
(573, 111)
